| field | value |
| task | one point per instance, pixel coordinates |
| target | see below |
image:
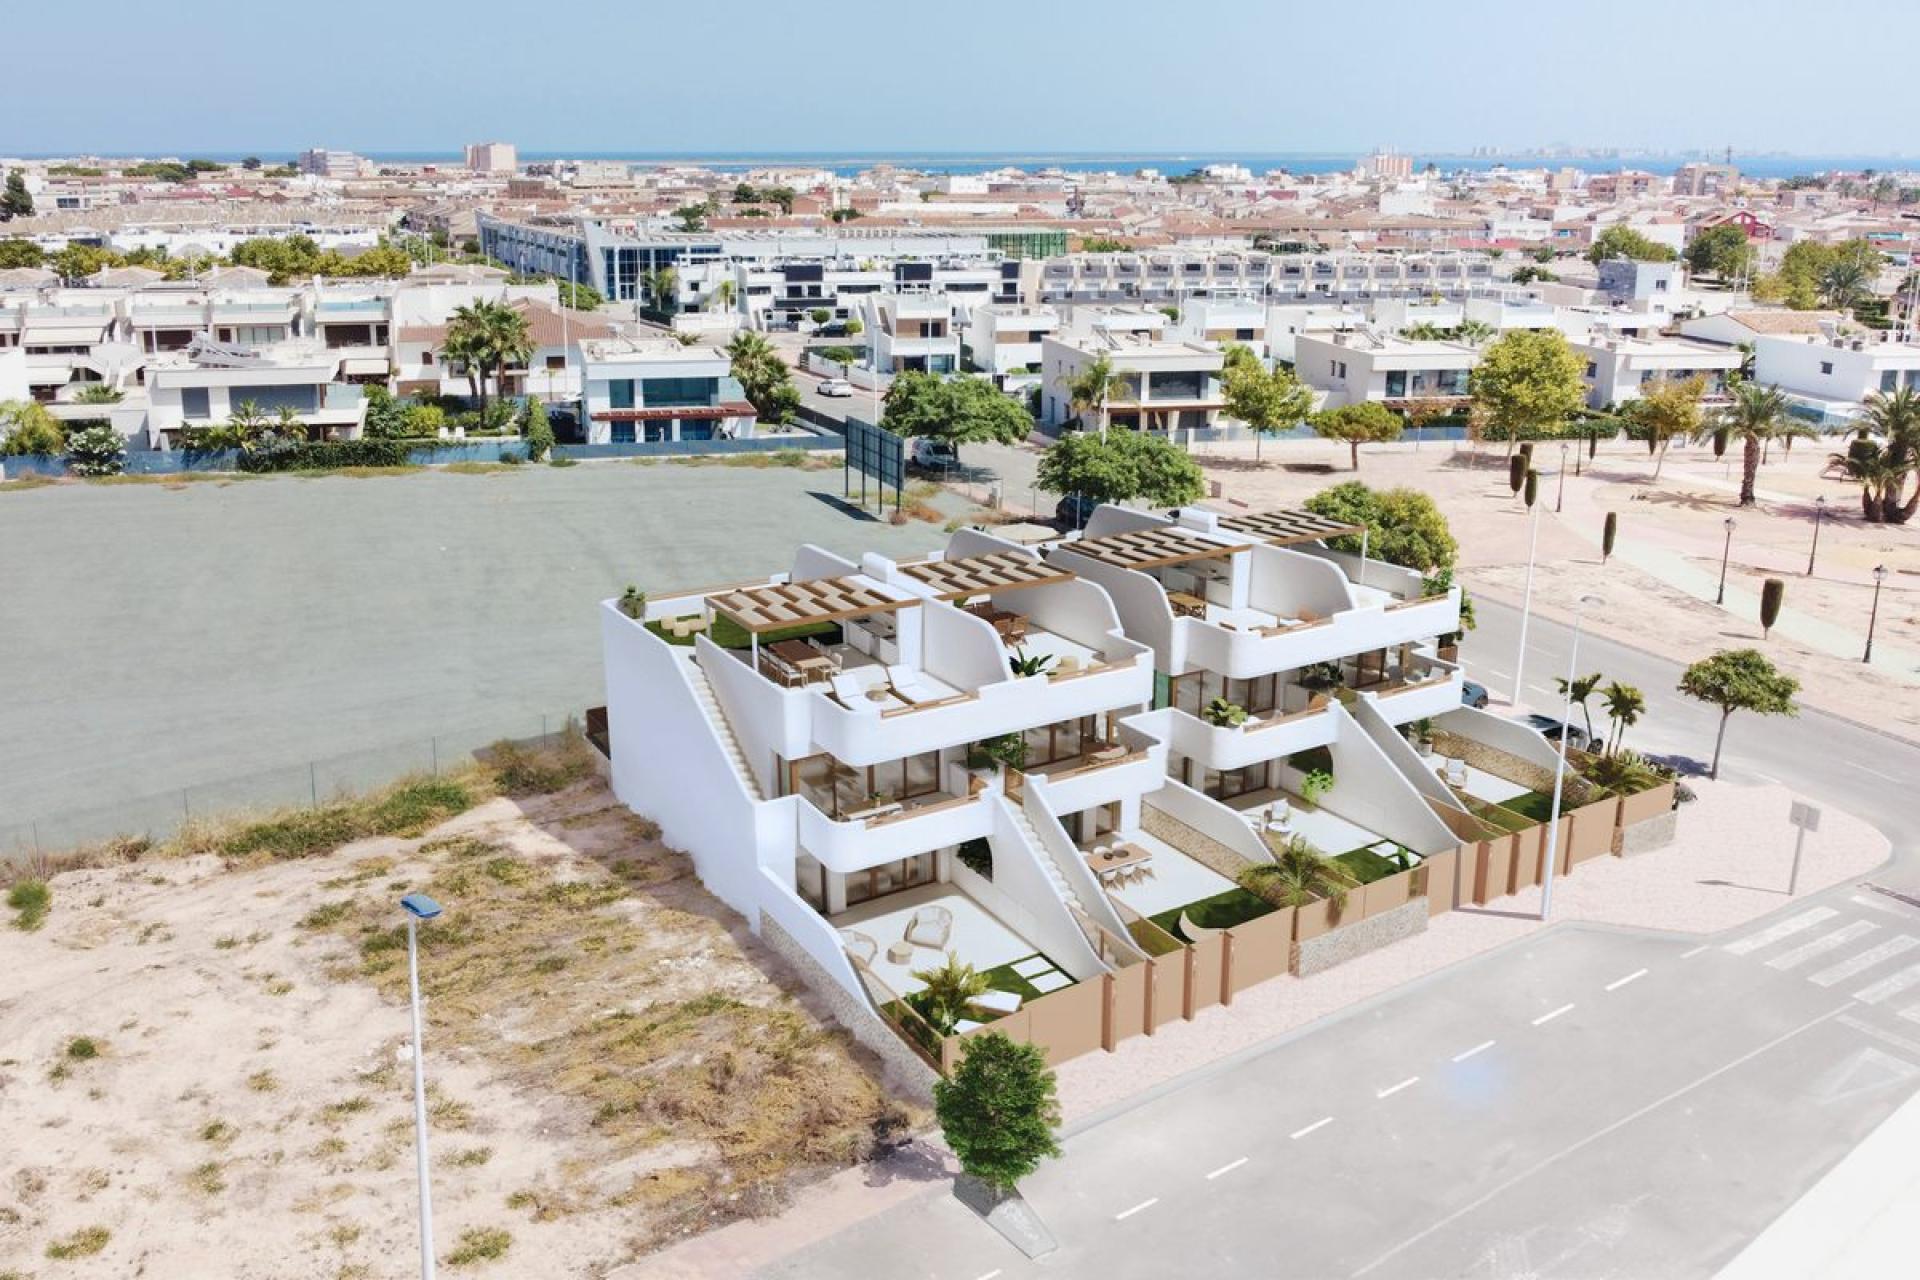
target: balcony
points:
(1266, 735)
(894, 830)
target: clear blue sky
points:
(135, 76)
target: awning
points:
(62, 335)
(731, 410)
(362, 366)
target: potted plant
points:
(1222, 714)
(1023, 665)
(1423, 736)
(633, 602)
(1315, 783)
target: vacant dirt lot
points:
(206, 1063)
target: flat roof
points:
(795, 604)
(994, 571)
(1152, 548)
(1286, 527)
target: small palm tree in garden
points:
(1299, 876)
(948, 993)
(1625, 705)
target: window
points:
(675, 392)
(193, 403)
(1593, 368)
(622, 433)
(1826, 366)
(1889, 379)
(556, 362)
(620, 393)
(1397, 382)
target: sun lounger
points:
(930, 927)
(998, 1001)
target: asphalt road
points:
(1588, 1102)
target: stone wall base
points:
(1345, 943)
(1648, 834)
(902, 1069)
(1202, 848)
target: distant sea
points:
(848, 163)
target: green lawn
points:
(1003, 978)
(1221, 911)
(729, 634)
(1155, 941)
(1537, 805)
(1368, 866)
(1499, 816)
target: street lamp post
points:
(1560, 493)
(1819, 512)
(418, 907)
(1560, 765)
(1526, 607)
(1725, 552)
(1879, 576)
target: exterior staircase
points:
(1031, 835)
(703, 694)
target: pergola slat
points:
(1285, 527)
(778, 606)
(994, 571)
(1152, 548)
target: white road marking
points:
(1907, 977)
(1482, 1047)
(1504, 675)
(1226, 1168)
(1618, 983)
(1527, 1175)
(1821, 945)
(1859, 964)
(1392, 1089)
(1876, 773)
(1144, 1204)
(1549, 1017)
(1912, 1013)
(1688, 955)
(990, 1275)
(1784, 929)
(1317, 1124)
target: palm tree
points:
(948, 993)
(1300, 875)
(1757, 415)
(1578, 691)
(1474, 332)
(1625, 704)
(663, 287)
(1089, 390)
(1844, 282)
(1882, 466)
(509, 340)
(466, 345)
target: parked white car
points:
(838, 388)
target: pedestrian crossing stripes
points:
(1854, 966)
(1820, 946)
(1887, 988)
(1784, 929)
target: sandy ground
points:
(1728, 865)
(1678, 521)
(248, 1111)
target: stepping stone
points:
(1051, 980)
(1032, 965)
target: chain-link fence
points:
(308, 784)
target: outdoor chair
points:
(859, 945)
(930, 927)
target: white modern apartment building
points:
(910, 332)
(1826, 377)
(648, 391)
(882, 763)
(492, 157)
(1004, 341)
(1619, 369)
(1242, 321)
(1176, 276)
(1365, 364)
(208, 383)
(1164, 385)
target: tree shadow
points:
(913, 1161)
(1734, 884)
(1505, 915)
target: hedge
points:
(325, 455)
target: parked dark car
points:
(1549, 728)
(1074, 510)
(1472, 694)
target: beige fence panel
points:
(1203, 974)
(1648, 804)
(1387, 894)
(1316, 918)
(1128, 1002)
(1443, 879)
(1166, 988)
(1262, 949)
(1068, 1022)
(1593, 829)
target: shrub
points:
(1222, 714)
(413, 807)
(83, 1048)
(96, 450)
(83, 1243)
(27, 429)
(539, 432)
(540, 771)
(327, 455)
(1316, 783)
(30, 899)
(481, 1244)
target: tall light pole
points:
(1725, 552)
(1560, 493)
(1819, 512)
(1879, 576)
(418, 907)
(1560, 765)
(1526, 607)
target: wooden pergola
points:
(1153, 548)
(977, 575)
(781, 605)
(1286, 527)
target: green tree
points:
(485, 336)
(15, 200)
(1622, 241)
(1580, 691)
(1738, 680)
(1882, 466)
(1668, 409)
(1625, 705)
(20, 253)
(956, 410)
(1089, 390)
(1773, 594)
(579, 297)
(1527, 382)
(1265, 399)
(999, 1111)
(663, 290)
(385, 260)
(1364, 422)
(1299, 876)
(386, 417)
(1723, 251)
(77, 262)
(1120, 467)
(96, 449)
(539, 431)
(1404, 526)
(1756, 416)
(27, 429)
(764, 377)
(947, 993)
(1102, 244)
(691, 217)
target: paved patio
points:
(1176, 880)
(1328, 832)
(1482, 785)
(979, 937)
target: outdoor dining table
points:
(1009, 625)
(1187, 606)
(1119, 858)
(808, 661)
